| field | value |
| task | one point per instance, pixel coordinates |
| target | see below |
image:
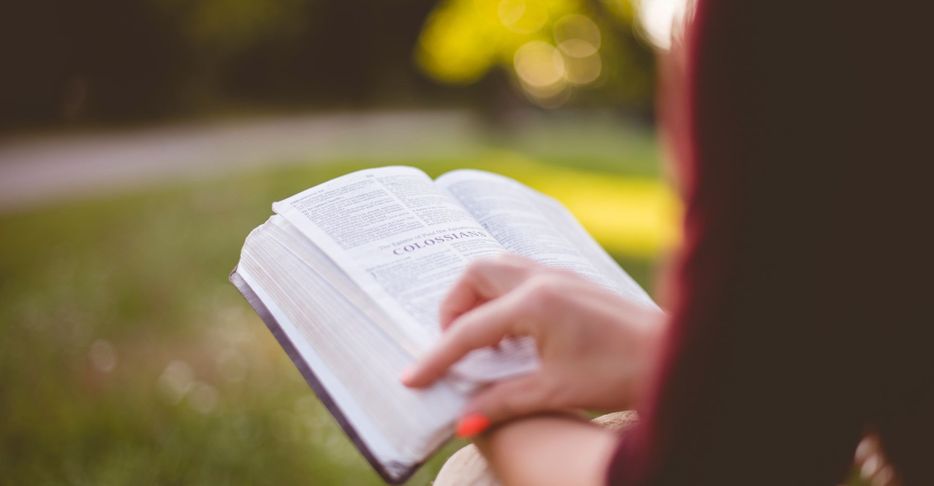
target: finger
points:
(483, 326)
(513, 398)
(885, 476)
(483, 280)
(866, 448)
(463, 296)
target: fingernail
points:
(472, 424)
(407, 375)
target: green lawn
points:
(126, 357)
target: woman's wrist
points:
(552, 448)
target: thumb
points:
(513, 398)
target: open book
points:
(348, 276)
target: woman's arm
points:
(548, 449)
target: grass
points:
(126, 357)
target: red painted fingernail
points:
(472, 424)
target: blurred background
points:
(140, 141)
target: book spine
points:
(400, 473)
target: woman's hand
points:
(595, 346)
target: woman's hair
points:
(801, 317)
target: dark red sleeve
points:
(802, 312)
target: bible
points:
(348, 275)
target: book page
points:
(330, 324)
(536, 226)
(404, 242)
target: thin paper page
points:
(399, 238)
(511, 212)
(536, 226)
(567, 224)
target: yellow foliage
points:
(623, 10)
(463, 39)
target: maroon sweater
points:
(803, 308)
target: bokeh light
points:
(577, 36)
(540, 68)
(662, 20)
(550, 48)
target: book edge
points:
(317, 387)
